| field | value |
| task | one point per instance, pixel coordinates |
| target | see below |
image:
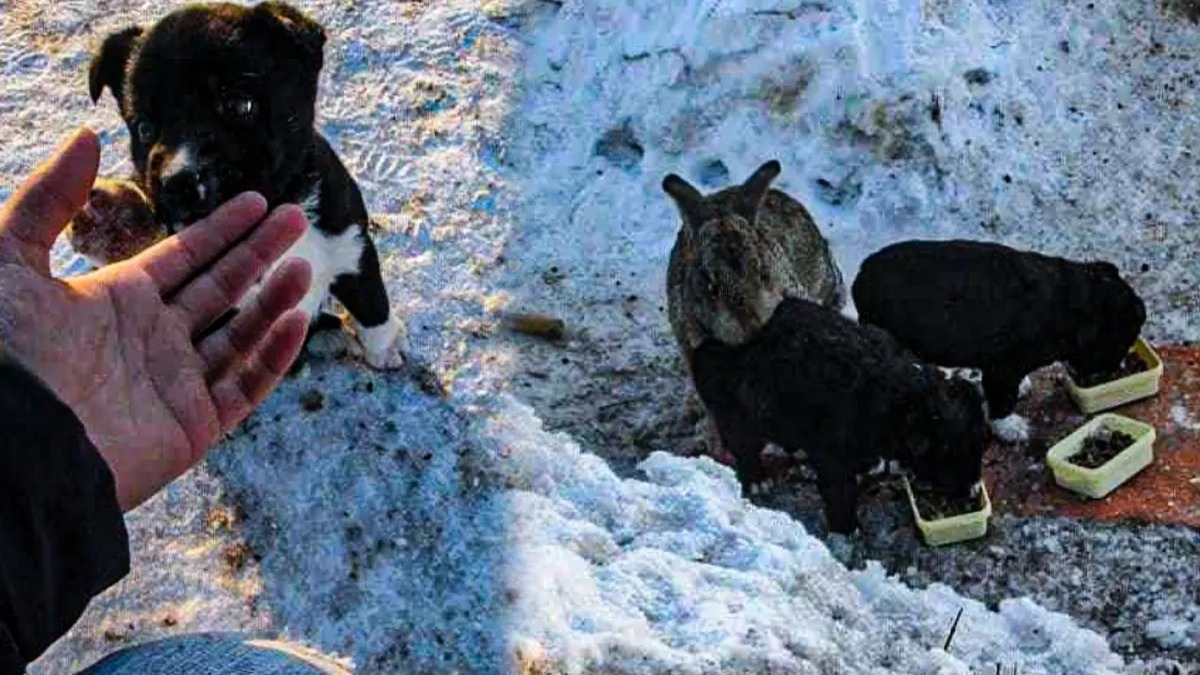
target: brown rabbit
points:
(739, 252)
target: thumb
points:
(56, 191)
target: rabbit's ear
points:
(690, 201)
(754, 190)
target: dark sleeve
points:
(62, 534)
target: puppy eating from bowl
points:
(220, 99)
(1003, 311)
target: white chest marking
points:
(181, 160)
(329, 256)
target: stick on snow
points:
(953, 627)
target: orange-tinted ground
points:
(1167, 492)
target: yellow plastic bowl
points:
(954, 529)
(1119, 392)
(1098, 482)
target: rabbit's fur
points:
(739, 252)
(850, 395)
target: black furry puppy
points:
(850, 396)
(967, 304)
(220, 99)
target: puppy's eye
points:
(241, 108)
(145, 131)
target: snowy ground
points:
(512, 150)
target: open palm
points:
(125, 347)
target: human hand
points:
(124, 347)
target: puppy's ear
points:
(307, 34)
(1106, 269)
(108, 65)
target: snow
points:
(843, 94)
(1184, 419)
(1172, 632)
(512, 150)
(676, 573)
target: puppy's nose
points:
(181, 196)
(184, 184)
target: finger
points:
(176, 259)
(240, 392)
(239, 337)
(56, 191)
(220, 287)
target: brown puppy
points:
(117, 223)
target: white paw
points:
(773, 450)
(1011, 429)
(971, 375)
(874, 474)
(385, 345)
(762, 487)
(879, 469)
(1025, 388)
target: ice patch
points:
(1011, 429)
(1183, 418)
(1173, 632)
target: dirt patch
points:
(1189, 9)
(312, 400)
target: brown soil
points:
(1101, 447)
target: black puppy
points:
(850, 395)
(220, 99)
(1002, 311)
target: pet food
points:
(934, 506)
(1132, 365)
(1100, 447)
